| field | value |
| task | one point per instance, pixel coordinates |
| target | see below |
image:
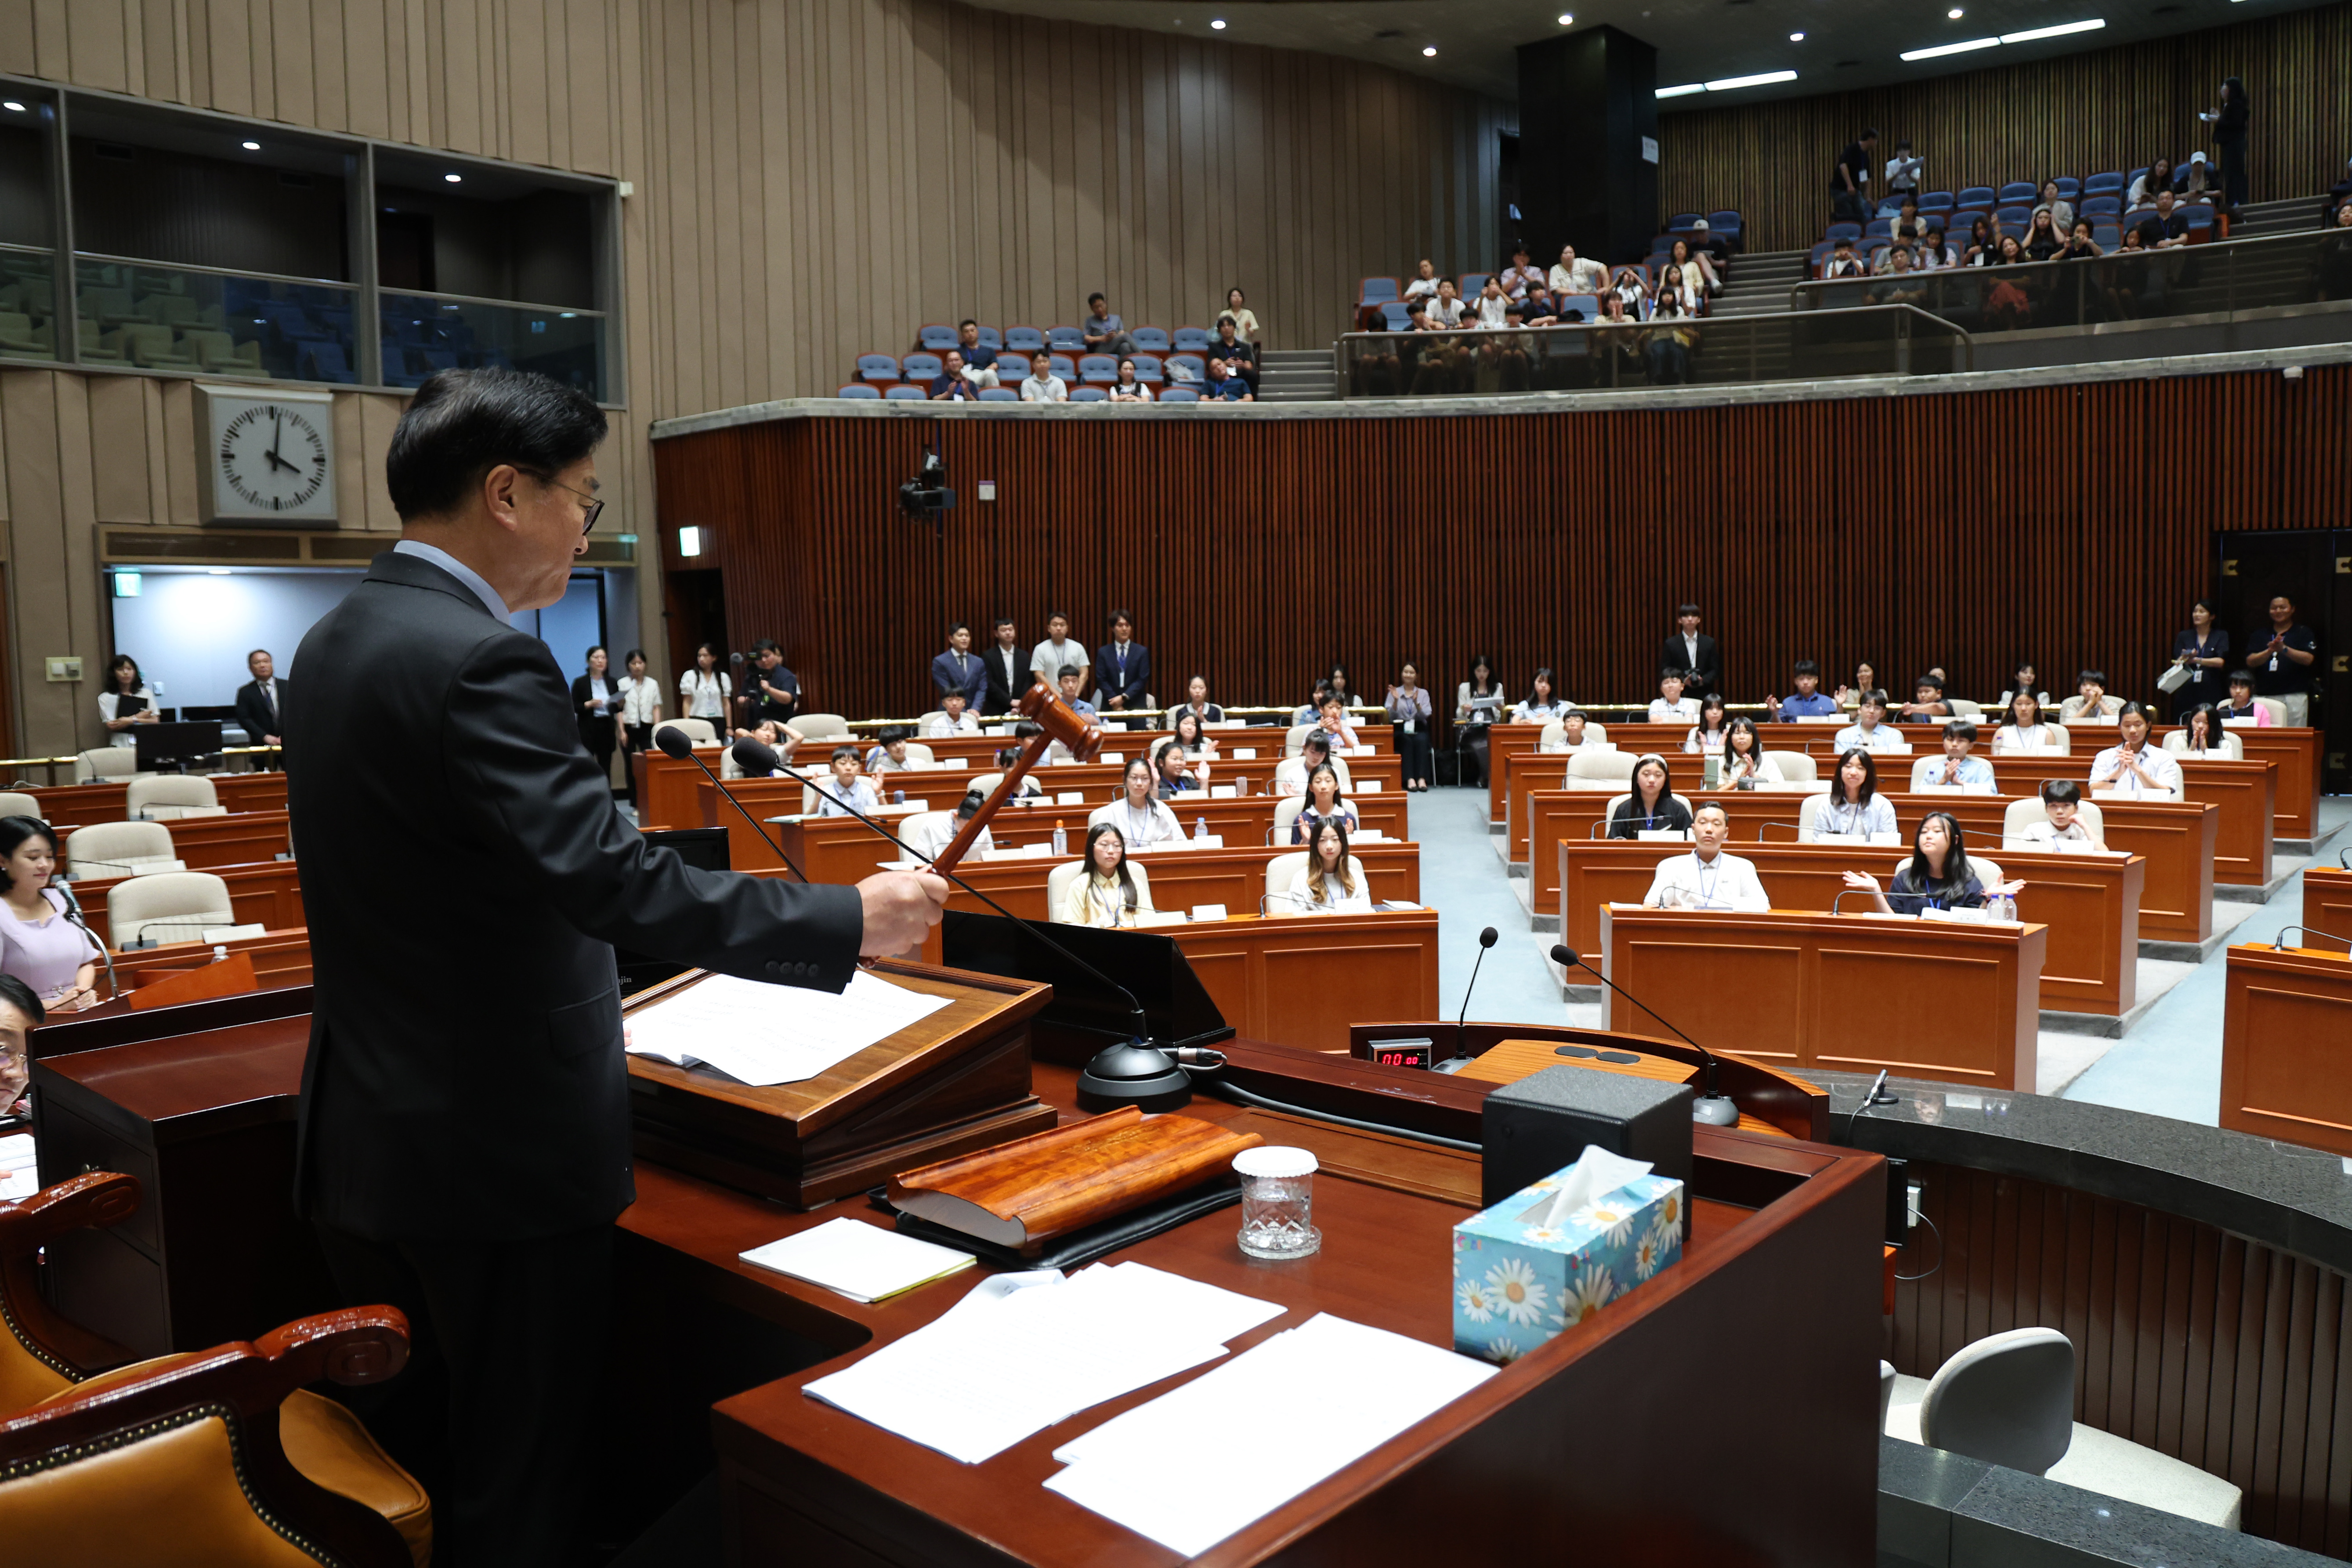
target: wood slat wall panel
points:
(2075, 114)
(2052, 522)
(2220, 1351)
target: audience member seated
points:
(951, 384)
(2091, 704)
(952, 719)
(1006, 756)
(1578, 732)
(1196, 700)
(1332, 882)
(1745, 765)
(1070, 677)
(1958, 769)
(1866, 679)
(1174, 775)
(1105, 332)
(1324, 803)
(1331, 715)
(1426, 280)
(43, 943)
(1853, 807)
(1239, 357)
(1537, 309)
(1938, 876)
(1142, 818)
(1928, 704)
(889, 754)
(1411, 716)
(2062, 799)
(2200, 735)
(2081, 246)
(1108, 893)
(1127, 389)
(1225, 386)
(1192, 738)
(930, 833)
(1290, 775)
(2132, 768)
(2042, 240)
(845, 792)
(1707, 736)
(1842, 262)
(1311, 710)
(979, 359)
(2027, 731)
(2241, 704)
(2157, 177)
(1670, 706)
(1574, 275)
(1651, 806)
(1869, 731)
(1043, 385)
(1542, 704)
(1709, 877)
(2164, 228)
(1448, 308)
(1519, 276)
(1809, 703)
(779, 738)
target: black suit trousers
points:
(493, 1414)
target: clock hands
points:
(276, 430)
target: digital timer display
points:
(1401, 1052)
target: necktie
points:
(270, 690)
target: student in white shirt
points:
(1106, 894)
(1670, 706)
(1745, 765)
(929, 834)
(1043, 385)
(1494, 307)
(1324, 803)
(1333, 713)
(640, 711)
(846, 787)
(1193, 740)
(1973, 774)
(1708, 877)
(952, 719)
(1541, 707)
(1332, 882)
(888, 755)
(2132, 767)
(2062, 798)
(1854, 805)
(2027, 731)
(2092, 702)
(1424, 285)
(704, 690)
(1869, 730)
(1291, 774)
(1142, 818)
(1714, 723)
(1575, 733)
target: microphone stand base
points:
(1134, 1074)
(1714, 1111)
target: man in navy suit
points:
(959, 669)
(1122, 667)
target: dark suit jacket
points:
(996, 695)
(253, 715)
(597, 730)
(972, 683)
(1138, 674)
(1673, 655)
(464, 874)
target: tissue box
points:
(1517, 1282)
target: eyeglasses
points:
(595, 506)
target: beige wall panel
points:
(330, 80)
(117, 427)
(368, 504)
(52, 31)
(46, 614)
(159, 467)
(179, 405)
(19, 53)
(523, 89)
(352, 484)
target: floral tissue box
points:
(1518, 1281)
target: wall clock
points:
(268, 456)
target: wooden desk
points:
(2286, 1026)
(268, 894)
(280, 959)
(2175, 840)
(2297, 752)
(1181, 879)
(104, 802)
(2327, 904)
(202, 843)
(1275, 978)
(1838, 992)
(2090, 903)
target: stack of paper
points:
(999, 1367)
(762, 1034)
(1344, 1389)
(19, 1175)
(863, 1262)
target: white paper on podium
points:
(765, 1034)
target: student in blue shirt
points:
(1927, 702)
(1971, 773)
(979, 359)
(1070, 697)
(1868, 729)
(1809, 701)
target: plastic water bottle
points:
(2004, 908)
(1200, 827)
(220, 952)
(1061, 841)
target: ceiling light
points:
(1219, 23)
(13, 107)
(1566, 20)
(1796, 37)
(2060, 31)
(253, 146)
(1429, 51)
(1942, 49)
(1956, 12)
(453, 179)
(1681, 92)
(1760, 80)
(216, 572)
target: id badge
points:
(2273, 663)
(1409, 724)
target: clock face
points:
(273, 458)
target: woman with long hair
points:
(126, 701)
(1854, 808)
(1745, 765)
(42, 941)
(1649, 806)
(1707, 735)
(704, 691)
(1333, 881)
(1324, 803)
(1479, 702)
(1938, 876)
(1104, 894)
(2027, 731)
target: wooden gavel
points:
(1055, 721)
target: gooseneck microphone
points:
(1713, 1107)
(1486, 940)
(2278, 944)
(675, 744)
(73, 913)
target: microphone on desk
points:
(2278, 944)
(1714, 1107)
(74, 914)
(1487, 939)
(675, 746)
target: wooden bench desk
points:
(1180, 879)
(2089, 902)
(104, 801)
(267, 893)
(1276, 978)
(201, 843)
(2287, 1035)
(2327, 905)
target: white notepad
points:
(765, 1034)
(863, 1262)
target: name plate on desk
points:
(1368, 785)
(1965, 916)
(1664, 835)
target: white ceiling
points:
(1847, 44)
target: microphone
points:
(1874, 1095)
(2279, 944)
(673, 745)
(73, 913)
(1486, 939)
(1713, 1107)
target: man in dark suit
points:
(1004, 670)
(464, 1130)
(959, 669)
(1122, 666)
(261, 706)
(1688, 648)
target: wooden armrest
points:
(94, 1199)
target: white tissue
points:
(1596, 1174)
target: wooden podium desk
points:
(829, 842)
(2287, 1035)
(1296, 979)
(267, 893)
(204, 843)
(2175, 841)
(2327, 905)
(2089, 902)
(1852, 993)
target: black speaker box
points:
(1543, 1122)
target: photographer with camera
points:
(767, 693)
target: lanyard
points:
(1708, 872)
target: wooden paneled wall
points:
(2058, 522)
(2221, 1351)
(2075, 114)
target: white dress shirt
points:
(639, 697)
(1726, 881)
(941, 726)
(830, 798)
(1336, 900)
(1876, 815)
(931, 832)
(2010, 740)
(1152, 824)
(457, 569)
(705, 695)
(2045, 831)
(1685, 710)
(2107, 772)
(1885, 737)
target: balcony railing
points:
(428, 332)
(1798, 346)
(28, 303)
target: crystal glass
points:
(1277, 1203)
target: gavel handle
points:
(953, 856)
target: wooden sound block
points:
(232, 975)
(954, 1081)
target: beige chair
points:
(219, 354)
(1556, 733)
(830, 726)
(700, 731)
(924, 723)
(1279, 870)
(2231, 748)
(1292, 770)
(112, 849)
(1296, 738)
(151, 348)
(1600, 770)
(1285, 817)
(1059, 880)
(167, 796)
(2065, 743)
(169, 906)
(918, 752)
(1796, 766)
(1963, 708)
(2022, 814)
(12, 804)
(2277, 709)
(106, 762)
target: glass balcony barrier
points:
(1826, 345)
(28, 303)
(215, 323)
(428, 332)
(2224, 281)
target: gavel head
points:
(1060, 722)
